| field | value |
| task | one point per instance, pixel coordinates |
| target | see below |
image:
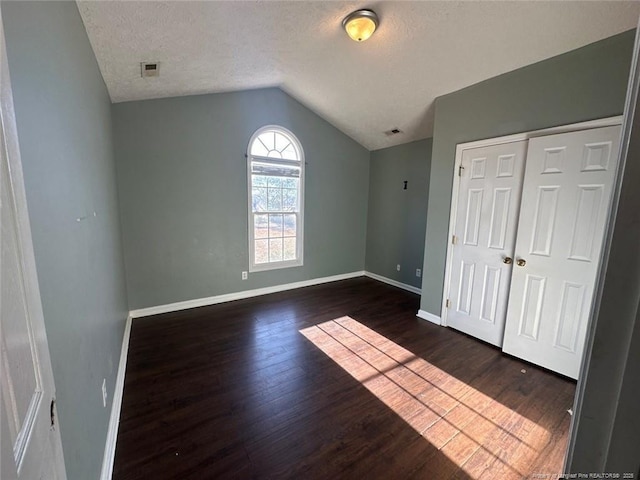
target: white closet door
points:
(565, 202)
(485, 226)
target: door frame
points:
(462, 147)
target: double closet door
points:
(528, 232)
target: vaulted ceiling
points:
(422, 49)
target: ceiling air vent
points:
(149, 69)
(394, 131)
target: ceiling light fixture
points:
(360, 24)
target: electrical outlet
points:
(418, 272)
(398, 267)
(104, 392)
(245, 275)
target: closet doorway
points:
(526, 230)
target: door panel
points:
(571, 303)
(565, 201)
(30, 440)
(473, 215)
(532, 299)
(488, 204)
(490, 293)
(546, 206)
(499, 217)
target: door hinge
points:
(460, 169)
(454, 239)
(448, 303)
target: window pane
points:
(258, 180)
(290, 153)
(275, 226)
(275, 200)
(261, 226)
(282, 142)
(274, 181)
(257, 148)
(268, 140)
(262, 251)
(290, 248)
(259, 199)
(275, 249)
(291, 182)
(289, 200)
(289, 225)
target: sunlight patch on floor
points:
(470, 428)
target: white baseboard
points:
(116, 404)
(395, 283)
(430, 317)
(228, 297)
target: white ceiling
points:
(423, 49)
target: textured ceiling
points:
(423, 49)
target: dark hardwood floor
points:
(336, 381)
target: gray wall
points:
(183, 194)
(397, 217)
(580, 85)
(64, 128)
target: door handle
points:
(507, 260)
(521, 262)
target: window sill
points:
(263, 267)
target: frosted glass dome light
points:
(360, 24)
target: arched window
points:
(275, 166)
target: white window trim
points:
(261, 267)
